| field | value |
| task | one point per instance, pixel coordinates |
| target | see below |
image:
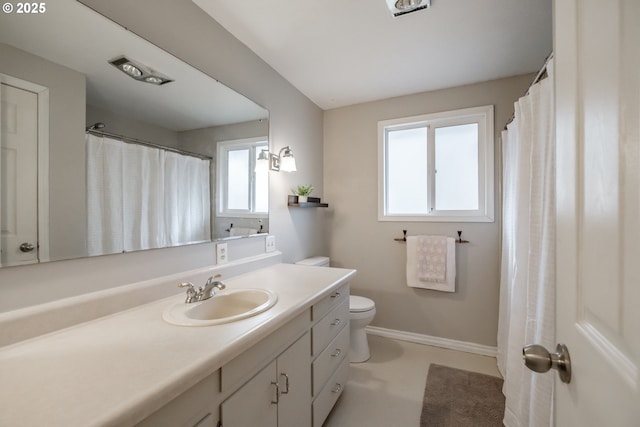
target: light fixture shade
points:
(287, 161)
(288, 164)
(262, 162)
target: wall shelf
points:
(308, 205)
(314, 202)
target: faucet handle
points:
(188, 285)
(191, 292)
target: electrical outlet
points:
(270, 244)
(222, 256)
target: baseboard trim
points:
(467, 347)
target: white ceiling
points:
(72, 35)
(346, 52)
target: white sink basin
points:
(225, 307)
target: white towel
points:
(432, 258)
(242, 231)
(413, 276)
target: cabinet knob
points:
(338, 388)
(336, 322)
(337, 353)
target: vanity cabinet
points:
(316, 366)
(278, 396)
(291, 378)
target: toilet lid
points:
(359, 304)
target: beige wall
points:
(67, 206)
(124, 125)
(358, 240)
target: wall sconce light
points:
(283, 161)
(139, 72)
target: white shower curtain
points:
(104, 196)
(527, 285)
(141, 197)
(187, 207)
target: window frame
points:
(223, 148)
(483, 116)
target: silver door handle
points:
(538, 359)
(26, 247)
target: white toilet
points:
(361, 313)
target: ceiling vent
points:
(402, 7)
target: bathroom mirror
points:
(57, 81)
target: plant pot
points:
(303, 199)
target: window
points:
(241, 191)
(437, 167)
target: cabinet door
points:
(255, 403)
(294, 379)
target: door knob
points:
(26, 247)
(538, 359)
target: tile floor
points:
(387, 390)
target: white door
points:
(18, 176)
(597, 58)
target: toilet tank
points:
(316, 261)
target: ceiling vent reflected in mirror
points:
(139, 72)
(402, 7)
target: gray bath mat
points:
(457, 398)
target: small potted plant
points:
(302, 191)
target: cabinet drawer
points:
(328, 327)
(325, 305)
(330, 393)
(330, 359)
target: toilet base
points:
(359, 349)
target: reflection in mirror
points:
(146, 176)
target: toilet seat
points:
(359, 304)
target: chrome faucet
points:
(201, 294)
(209, 289)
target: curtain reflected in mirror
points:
(67, 195)
(142, 197)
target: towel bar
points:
(404, 239)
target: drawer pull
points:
(275, 402)
(338, 388)
(286, 383)
(336, 295)
(336, 322)
(337, 353)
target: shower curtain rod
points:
(542, 74)
(146, 143)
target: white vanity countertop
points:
(117, 370)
